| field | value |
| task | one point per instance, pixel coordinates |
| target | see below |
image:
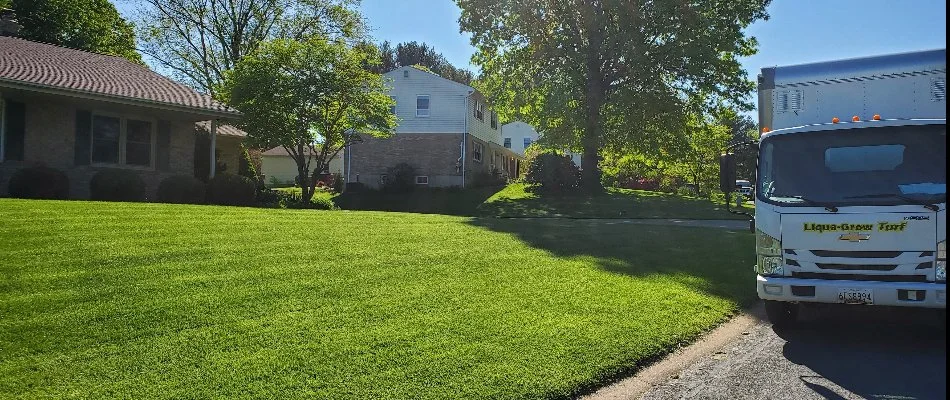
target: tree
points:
(421, 54)
(91, 25)
(311, 97)
(593, 72)
(198, 41)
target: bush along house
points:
(447, 133)
(81, 113)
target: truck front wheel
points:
(781, 314)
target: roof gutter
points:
(229, 115)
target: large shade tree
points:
(311, 97)
(609, 73)
(91, 25)
(198, 41)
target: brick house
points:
(81, 112)
(447, 131)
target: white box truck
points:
(850, 189)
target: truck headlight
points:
(769, 266)
(768, 252)
(941, 264)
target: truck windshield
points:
(859, 166)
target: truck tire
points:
(781, 314)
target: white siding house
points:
(518, 135)
(447, 131)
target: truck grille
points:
(857, 254)
(860, 277)
(857, 267)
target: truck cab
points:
(850, 188)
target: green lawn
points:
(106, 300)
(516, 201)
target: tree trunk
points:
(593, 136)
(303, 179)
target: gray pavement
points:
(838, 352)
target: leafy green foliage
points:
(39, 182)
(182, 189)
(115, 184)
(231, 190)
(608, 76)
(400, 178)
(309, 97)
(91, 25)
(199, 41)
(553, 173)
(246, 166)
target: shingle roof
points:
(223, 129)
(45, 65)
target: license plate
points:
(855, 296)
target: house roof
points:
(223, 129)
(398, 71)
(42, 66)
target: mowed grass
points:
(516, 200)
(131, 300)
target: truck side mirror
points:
(727, 173)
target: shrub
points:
(338, 183)
(181, 189)
(401, 178)
(231, 190)
(552, 172)
(117, 185)
(355, 187)
(39, 183)
(246, 166)
(483, 178)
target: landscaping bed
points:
(140, 300)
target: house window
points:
(527, 142)
(422, 180)
(507, 142)
(422, 105)
(477, 152)
(122, 141)
(392, 108)
(494, 120)
(480, 111)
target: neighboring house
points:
(82, 112)
(447, 131)
(276, 164)
(518, 135)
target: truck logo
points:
(854, 237)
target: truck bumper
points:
(903, 294)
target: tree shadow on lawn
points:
(711, 260)
(462, 202)
(611, 204)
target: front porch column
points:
(214, 137)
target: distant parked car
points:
(744, 187)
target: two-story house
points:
(447, 132)
(518, 135)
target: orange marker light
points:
(855, 119)
(835, 120)
(876, 117)
(765, 129)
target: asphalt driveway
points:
(842, 352)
